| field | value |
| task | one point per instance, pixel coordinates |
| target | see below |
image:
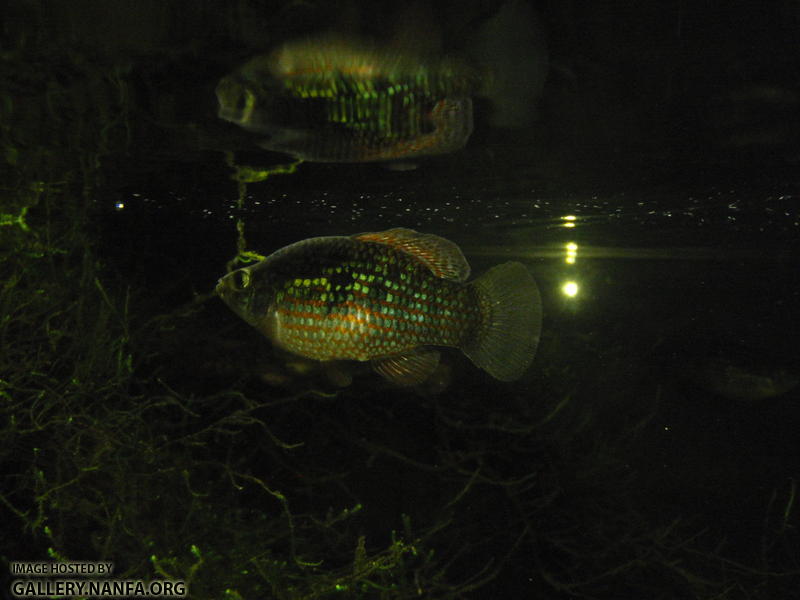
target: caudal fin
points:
(511, 322)
(510, 48)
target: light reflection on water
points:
(584, 238)
(742, 211)
(585, 248)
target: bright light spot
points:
(572, 253)
(119, 205)
(569, 220)
(570, 289)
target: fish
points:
(390, 298)
(734, 380)
(341, 99)
(737, 367)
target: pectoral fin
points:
(407, 369)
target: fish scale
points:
(391, 131)
(389, 305)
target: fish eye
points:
(241, 100)
(245, 102)
(241, 279)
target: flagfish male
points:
(337, 99)
(387, 297)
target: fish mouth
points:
(236, 101)
(222, 287)
(225, 291)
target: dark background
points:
(143, 419)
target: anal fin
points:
(409, 368)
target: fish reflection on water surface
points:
(387, 297)
(333, 99)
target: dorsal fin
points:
(441, 256)
(409, 21)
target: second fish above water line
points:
(341, 98)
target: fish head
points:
(236, 101)
(246, 97)
(243, 105)
(250, 295)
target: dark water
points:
(678, 277)
(651, 450)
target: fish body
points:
(334, 99)
(742, 381)
(389, 297)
